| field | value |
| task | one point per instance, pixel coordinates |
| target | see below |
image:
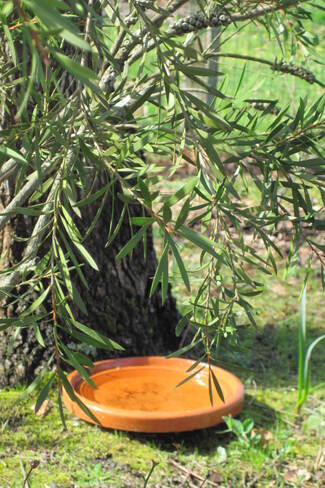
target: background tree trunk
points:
(117, 301)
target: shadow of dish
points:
(205, 441)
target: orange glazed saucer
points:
(140, 395)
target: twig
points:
(24, 193)
(9, 281)
(34, 34)
(189, 472)
(7, 169)
(25, 475)
(321, 258)
(33, 465)
(251, 14)
(157, 21)
(146, 481)
(87, 28)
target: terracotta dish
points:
(140, 394)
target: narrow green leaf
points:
(163, 263)
(182, 192)
(188, 378)
(85, 254)
(73, 259)
(132, 243)
(99, 338)
(73, 360)
(217, 385)
(199, 240)
(37, 303)
(38, 334)
(34, 211)
(181, 325)
(69, 225)
(179, 261)
(27, 92)
(82, 73)
(44, 393)
(52, 18)
(10, 42)
(183, 350)
(35, 383)
(7, 151)
(68, 388)
(210, 388)
(164, 278)
(182, 216)
(65, 271)
(61, 410)
(142, 220)
(78, 300)
(167, 214)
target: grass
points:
(281, 447)
(260, 81)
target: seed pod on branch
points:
(199, 21)
(294, 70)
(266, 106)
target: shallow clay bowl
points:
(140, 395)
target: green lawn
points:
(260, 81)
(281, 449)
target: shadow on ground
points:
(204, 441)
(270, 355)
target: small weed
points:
(305, 351)
(243, 430)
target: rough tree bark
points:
(117, 300)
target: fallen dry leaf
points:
(44, 409)
(297, 475)
(266, 435)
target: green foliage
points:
(88, 90)
(304, 357)
(243, 430)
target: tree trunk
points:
(117, 301)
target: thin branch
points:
(219, 18)
(7, 169)
(25, 192)
(281, 66)
(46, 216)
(157, 21)
(198, 21)
(87, 28)
(9, 281)
(192, 473)
(33, 32)
(265, 9)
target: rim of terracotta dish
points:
(232, 401)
